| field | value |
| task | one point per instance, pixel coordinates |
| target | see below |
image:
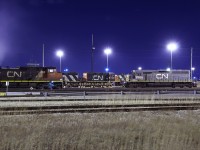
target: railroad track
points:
(96, 108)
(100, 89)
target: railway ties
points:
(97, 108)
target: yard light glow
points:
(107, 69)
(107, 51)
(60, 53)
(172, 47)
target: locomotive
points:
(40, 77)
(88, 79)
(160, 78)
(30, 77)
(137, 78)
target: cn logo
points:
(160, 76)
(98, 77)
(12, 74)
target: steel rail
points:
(114, 89)
(84, 93)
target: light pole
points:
(59, 53)
(139, 68)
(172, 47)
(192, 70)
(107, 51)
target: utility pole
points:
(191, 64)
(92, 55)
(43, 56)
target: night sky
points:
(137, 32)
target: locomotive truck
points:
(30, 77)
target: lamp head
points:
(59, 53)
(172, 46)
(108, 51)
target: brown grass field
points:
(178, 130)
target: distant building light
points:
(139, 68)
(168, 69)
(66, 70)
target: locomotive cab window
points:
(138, 74)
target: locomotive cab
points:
(137, 75)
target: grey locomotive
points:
(160, 78)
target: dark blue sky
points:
(137, 32)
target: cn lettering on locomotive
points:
(160, 76)
(97, 77)
(12, 74)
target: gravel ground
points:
(91, 102)
(111, 97)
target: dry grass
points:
(93, 102)
(137, 130)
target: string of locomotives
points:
(40, 77)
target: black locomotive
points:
(30, 77)
(88, 79)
